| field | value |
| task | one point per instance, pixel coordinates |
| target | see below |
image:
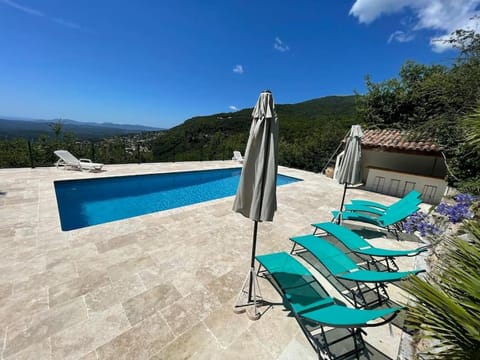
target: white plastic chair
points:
(237, 156)
(68, 161)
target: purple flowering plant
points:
(455, 213)
(419, 222)
(458, 211)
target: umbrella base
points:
(249, 304)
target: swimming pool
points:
(89, 202)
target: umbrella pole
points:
(338, 220)
(252, 262)
(249, 298)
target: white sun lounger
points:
(68, 161)
(237, 155)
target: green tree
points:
(472, 128)
(57, 128)
(433, 100)
(14, 153)
(467, 42)
(406, 101)
(469, 162)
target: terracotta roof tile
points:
(395, 140)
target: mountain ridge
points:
(318, 109)
(29, 128)
(308, 132)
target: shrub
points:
(446, 306)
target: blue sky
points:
(160, 62)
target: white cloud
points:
(25, 9)
(442, 16)
(35, 12)
(238, 69)
(368, 10)
(233, 108)
(280, 45)
(401, 37)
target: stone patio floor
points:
(158, 286)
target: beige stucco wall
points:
(432, 166)
(399, 184)
(397, 173)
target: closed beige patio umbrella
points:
(256, 194)
(349, 167)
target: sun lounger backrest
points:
(393, 216)
(331, 257)
(357, 207)
(349, 238)
(237, 155)
(297, 284)
(66, 156)
(412, 199)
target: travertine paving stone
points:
(41, 326)
(84, 337)
(189, 310)
(23, 304)
(130, 266)
(128, 287)
(77, 287)
(38, 351)
(145, 304)
(188, 345)
(158, 286)
(140, 342)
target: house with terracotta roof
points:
(394, 164)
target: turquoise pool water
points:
(89, 202)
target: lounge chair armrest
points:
(85, 160)
(387, 318)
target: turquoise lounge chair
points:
(359, 245)
(413, 198)
(391, 220)
(307, 300)
(343, 268)
(409, 207)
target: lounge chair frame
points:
(392, 220)
(319, 341)
(344, 269)
(358, 292)
(69, 161)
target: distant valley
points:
(15, 127)
(309, 133)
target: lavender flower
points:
(459, 211)
(419, 222)
(466, 199)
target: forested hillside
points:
(309, 133)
